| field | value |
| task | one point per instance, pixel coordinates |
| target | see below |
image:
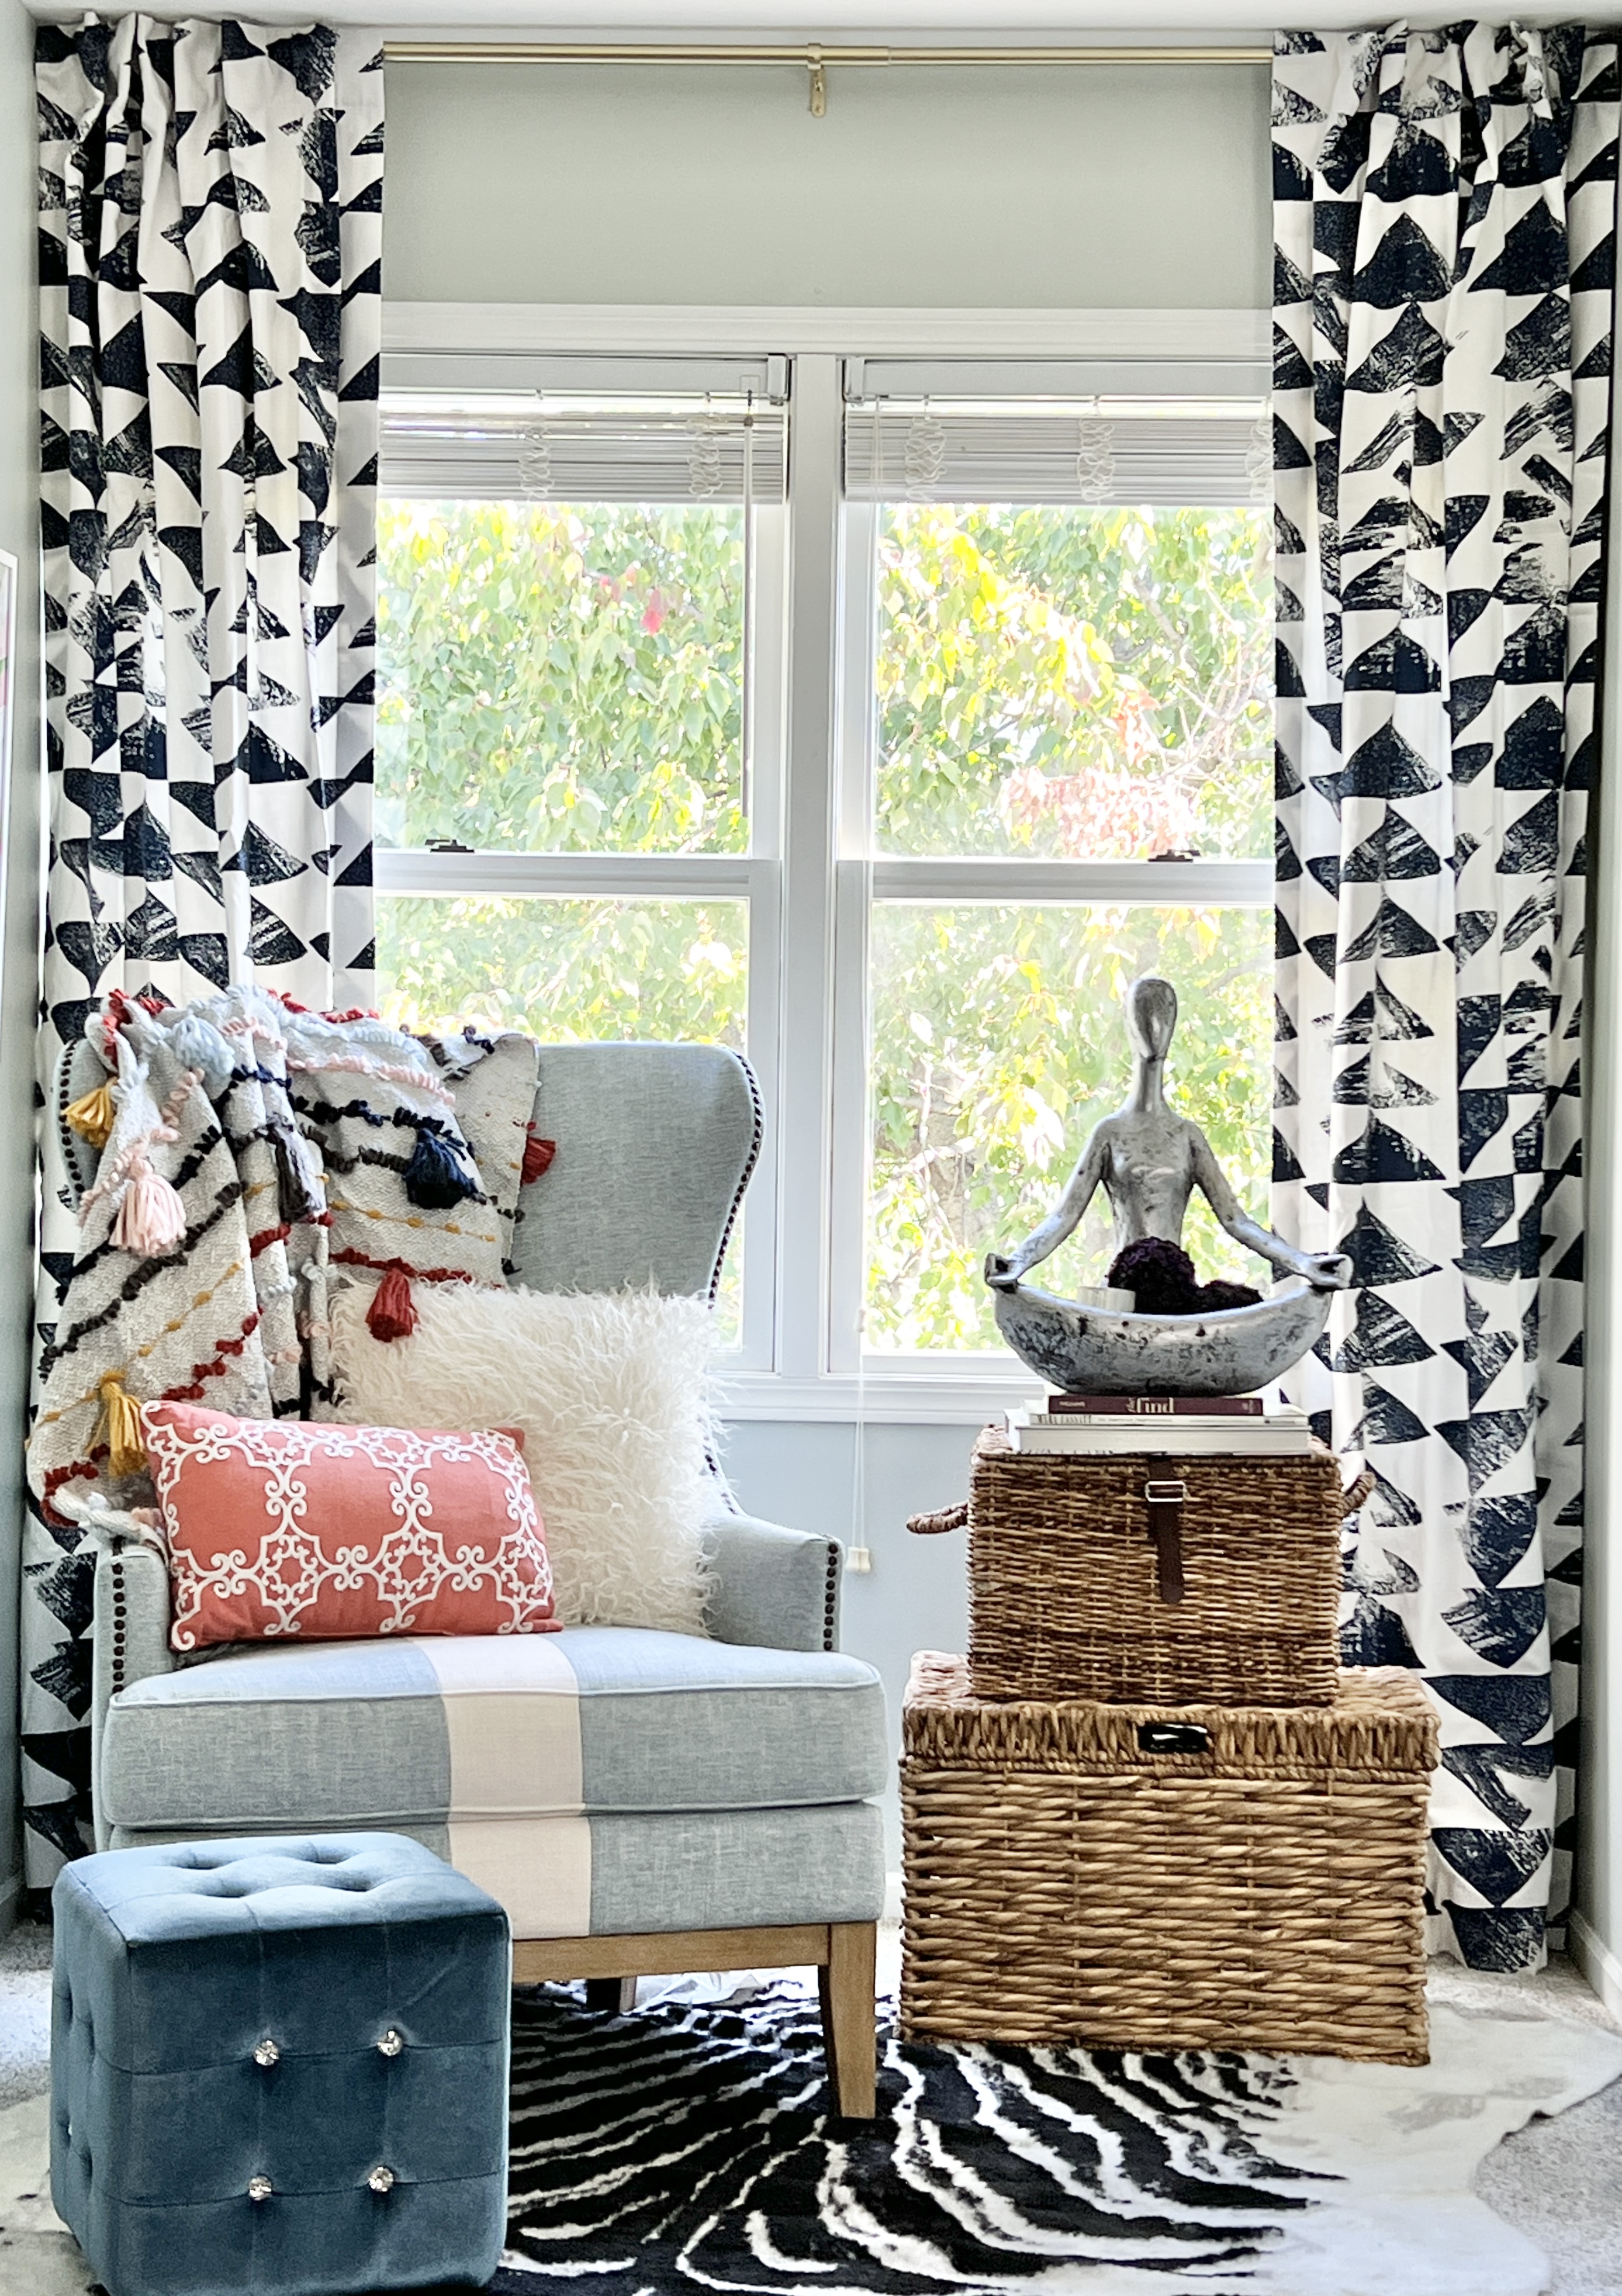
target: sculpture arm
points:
(1003, 1270)
(1325, 1271)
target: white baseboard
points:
(1598, 1963)
(892, 1898)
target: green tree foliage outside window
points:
(997, 1045)
(558, 679)
(1050, 683)
(1092, 685)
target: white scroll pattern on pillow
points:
(292, 1566)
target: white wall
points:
(1014, 186)
(18, 525)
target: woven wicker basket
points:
(1065, 1585)
(1189, 1878)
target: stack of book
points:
(1180, 1426)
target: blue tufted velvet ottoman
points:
(279, 2067)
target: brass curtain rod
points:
(814, 60)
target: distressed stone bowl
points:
(1100, 1351)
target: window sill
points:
(981, 1389)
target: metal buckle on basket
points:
(1165, 1497)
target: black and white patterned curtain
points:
(210, 293)
(1445, 219)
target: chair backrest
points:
(655, 1146)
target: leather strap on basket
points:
(1165, 1497)
(1363, 1488)
(952, 1518)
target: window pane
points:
(1090, 684)
(561, 677)
(572, 972)
(997, 1045)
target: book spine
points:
(1033, 1440)
(1156, 1406)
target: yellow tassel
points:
(92, 1117)
(126, 1449)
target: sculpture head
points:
(1151, 1016)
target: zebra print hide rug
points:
(689, 2147)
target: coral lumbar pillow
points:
(283, 1528)
(609, 1390)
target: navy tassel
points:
(298, 1191)
(436, 1179)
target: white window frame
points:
(811, 875)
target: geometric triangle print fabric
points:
(210, 319)
(1445, 219)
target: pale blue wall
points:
(1111, 187)
(1031, 187)
(915, 1596)
(18, 529)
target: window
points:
(879, 718)
(1066, 604)
(575, 570)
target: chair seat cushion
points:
(621, 1872)
(443, 1730)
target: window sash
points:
(470, 466)
(864, 878)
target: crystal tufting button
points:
(382, 2179)
(391, 2044)
(268, 2053)
(259, 2188)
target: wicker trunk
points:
(1066, 1588)
(1151, 1879)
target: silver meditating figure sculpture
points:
(1149, 1161)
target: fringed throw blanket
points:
(249, 1156)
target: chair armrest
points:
(775, 1589)
(131, 1638)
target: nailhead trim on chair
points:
(744, 1177)
(75, 1152)
(118, 1627)
(830, 1596)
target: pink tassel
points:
(393, 1314)
(151, 1220)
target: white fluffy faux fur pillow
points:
(609, 1392)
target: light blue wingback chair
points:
(641, 1803)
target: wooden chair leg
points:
(845, 1987)
(617, 1996)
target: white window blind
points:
(561, 449)
(923, 433)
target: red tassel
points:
(538, 1154)
(392, 1316)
